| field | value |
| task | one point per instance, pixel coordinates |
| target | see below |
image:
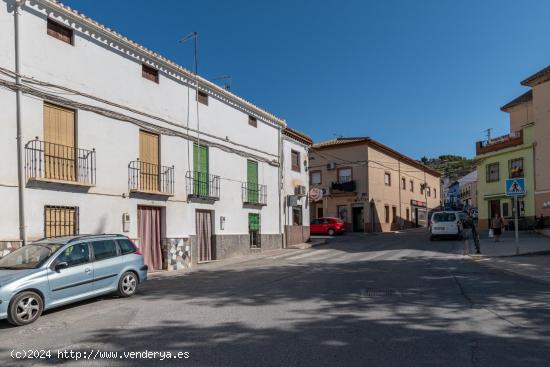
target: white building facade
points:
(115, 139)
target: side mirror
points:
(61, 265)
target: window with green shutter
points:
(200, 166)
(252, 181)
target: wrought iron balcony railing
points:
(341, 185)
(58, 163)
(202, 185)
(254, 193)
(150, 178)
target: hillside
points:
(451, 166)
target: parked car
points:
(327, 225)
(57, 271)
(446, 224)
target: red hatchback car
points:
(327, 225)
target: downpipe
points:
(20, 160)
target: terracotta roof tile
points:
(525, 97)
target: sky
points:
(425, 77)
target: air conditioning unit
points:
(300, 190)
(331, 166)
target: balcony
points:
(202, 186)
(149, 178)
(254, 194)
(344, 184)
(501, 142)
(59, 164)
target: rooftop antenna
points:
(488, 131)
(225, 81)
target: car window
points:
(104, 249)
(74, 255)
(444, 217)
(126, 246)
(315, 221)
(29, 256)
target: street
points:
(393, 299)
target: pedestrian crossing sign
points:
(515, 187)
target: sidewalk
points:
(533, 261)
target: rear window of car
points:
(444, 217)
(126, 246)
(104, 249)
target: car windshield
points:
(444, 217)
(28, 257)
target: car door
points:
(73, 281)
(314, 226)
(325, 225)
(107, 265)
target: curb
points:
(306, 245)
(511, 272)
(533, 253)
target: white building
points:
(467, 187)
(295, 147)
(115, 140)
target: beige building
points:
(534, 107)
(371, 186)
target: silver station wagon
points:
(57, 271)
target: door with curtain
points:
(149, 233)
(204, 235)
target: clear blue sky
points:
(425, 77)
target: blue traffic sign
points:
(515, 187)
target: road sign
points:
(515, 187)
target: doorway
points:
(205, 231)
(149, 233)
(357, 218)
(319, 212)
(494, 208)
(415, 217)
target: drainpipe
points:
(280, 183)
(20, 161)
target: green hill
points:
(452, 166)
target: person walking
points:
(497, 223)
(470, 232)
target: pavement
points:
(533, 260)
(388, 300)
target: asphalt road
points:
(384, 300)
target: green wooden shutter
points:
(252, 179)
(254, 222)
(200, 165)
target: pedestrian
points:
(497, 223)
(470, 231)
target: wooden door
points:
(59, 143)
(200, 166)
(252, 181)
(149, 161)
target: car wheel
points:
(127, 285)
(25, 308)
(331, 232)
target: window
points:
(411, 184)
(428, 192)
(295, 160)
(150, 73)
(387, 178)
(59, 31)
(403, 183)
(252, 121)
(342, 212)
(505, 210)
(126, 246)
(344, 175)
(60, 221)
(59, 126)
(297, 215)
(104, 249)
(315, 178)
(254, 230)
(394, 214)
(387, 213)
(435, 193)
(75, 255)
(493, 173)
(515, 168)
(203, 97)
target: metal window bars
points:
(253, 193)
(151, 178)
(202, 185)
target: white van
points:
(446, 224)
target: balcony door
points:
(59, 143)
(252, 181)
(149, 161)
(200, 166)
